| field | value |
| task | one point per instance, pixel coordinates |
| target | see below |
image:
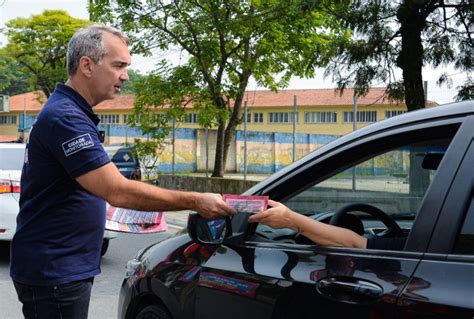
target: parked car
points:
(11, 163)
(229, 268)
(126, 162)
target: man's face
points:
(110, 73)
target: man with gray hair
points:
(67, 177)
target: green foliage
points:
(466, 91)
(39, 44)
(12, 79)
(407, 34)
(129, 86)
(223, 44)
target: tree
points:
(129, 87)
(407, 34)
(223, 44)
(12, 79)
(39, 45)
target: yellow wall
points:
(10, 130)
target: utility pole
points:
(354, 127)
(295, 119)
(245, 140)
(207, 152)
(425, 91)
(173, 147)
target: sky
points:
(10, 9)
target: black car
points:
(416, 169)
(126, 162)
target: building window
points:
(258, 117)
(362, 117)
(109, 118)
(389, 114)
(249, 117)
(282, 117)
(191, 118)
(320, 117)
(7, 119)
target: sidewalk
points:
(177, 218)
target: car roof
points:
(12, 145)
(446, 111)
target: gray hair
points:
(88, 42)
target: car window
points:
(465, 241)
(382, 181)
(12, 158)
(123, 156)
(395, 181)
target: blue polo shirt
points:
(60, 225)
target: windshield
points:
(11, 159)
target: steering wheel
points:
(393, 230)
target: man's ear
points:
(86, 66)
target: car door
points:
(269, 273)
(443, 283)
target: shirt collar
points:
(71, 93)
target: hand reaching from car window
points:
(278, 216)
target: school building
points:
(321, 116)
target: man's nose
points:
(124, 76)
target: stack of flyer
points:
(134, 221)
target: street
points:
(106, 286)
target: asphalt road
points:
(106, 286)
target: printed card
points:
(246, 204)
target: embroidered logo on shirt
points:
(76, 144)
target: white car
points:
(11, 163)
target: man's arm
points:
(107, 182)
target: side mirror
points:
(208, 231)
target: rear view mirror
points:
(208, 231)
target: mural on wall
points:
(267, 152)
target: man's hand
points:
(211, 206)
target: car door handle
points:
(349, 290)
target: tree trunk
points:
(225, 134)
(410, 60)
(219, 164)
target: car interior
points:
(374, 195)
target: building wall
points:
(338, 128)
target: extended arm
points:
(107, 183)
(280, 216)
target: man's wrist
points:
(194, 200)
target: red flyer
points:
(246, 204)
